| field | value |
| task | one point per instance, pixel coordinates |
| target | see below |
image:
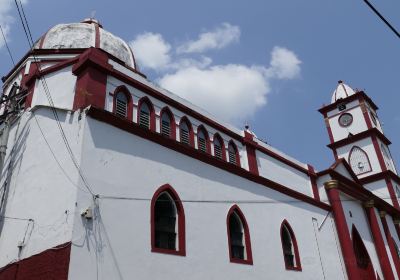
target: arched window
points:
(386, 157)
(167, 222)
(146, 114)
(186, 132)
(203, 142)
(362, 257)
(122, 103)
(167, 125)
(219, 148)
(289, 247)
(359, 161)
(238, 237)
(233, 153)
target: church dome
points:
(342, 91)
(86, 34)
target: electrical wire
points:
(382, 18)
(5, 42)
(289, 201)
(28, 35)
(53, 154)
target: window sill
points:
(293, 268)
(168, 252)
(240, 261)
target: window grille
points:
(165, 125)
(121, 105)
(358, 160)
(232, 154)
(184, 132)
(236, 236)
(201, 141)
(287, 246)
(165, 222)
(144, 119)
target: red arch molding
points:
(236, 151)
(128, 95)
(146, 100)
(208, 144)
(191, 133)
(181, 222)
(247, 240)
(223, 148)
(167, 110)
(295, 247)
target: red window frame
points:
(246, 232)
(297, 267)
(167, 111)
(191, 134)
(205, 132)
(181, 251)
(146, 100)
(124, 90)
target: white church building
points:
(108, 176)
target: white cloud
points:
(284, 64)
(219, 38)
(151, 50)
(6, 19)
(231, 92)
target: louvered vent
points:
(121, 107)
(217, 150)
(165, 128)
(144, 120)
(232, 157)
(359, 161)
(202, 144)
(185, 137)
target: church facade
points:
(108, 176)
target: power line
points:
(5, 42)
(29, 37)
(288, 201)
(382, 18)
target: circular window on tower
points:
(345, 119)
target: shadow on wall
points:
(12, 165)
(109, 138)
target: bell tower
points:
(356, 134)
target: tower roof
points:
(86, 34)
(342, 91)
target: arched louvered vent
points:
(358, 160)
(386, 157)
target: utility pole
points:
(12, 109)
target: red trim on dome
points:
(97, 34)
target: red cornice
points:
(356, 96)
(351, 139)
(109, 118)
(360, 193)
(388, 174)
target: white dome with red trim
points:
(342, 91)
(86, 34)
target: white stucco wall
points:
(38, 189)
(367, 145)
(61, 85)
(357, 126)
(116, 244)
(284, 174)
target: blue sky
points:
(333, 40)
